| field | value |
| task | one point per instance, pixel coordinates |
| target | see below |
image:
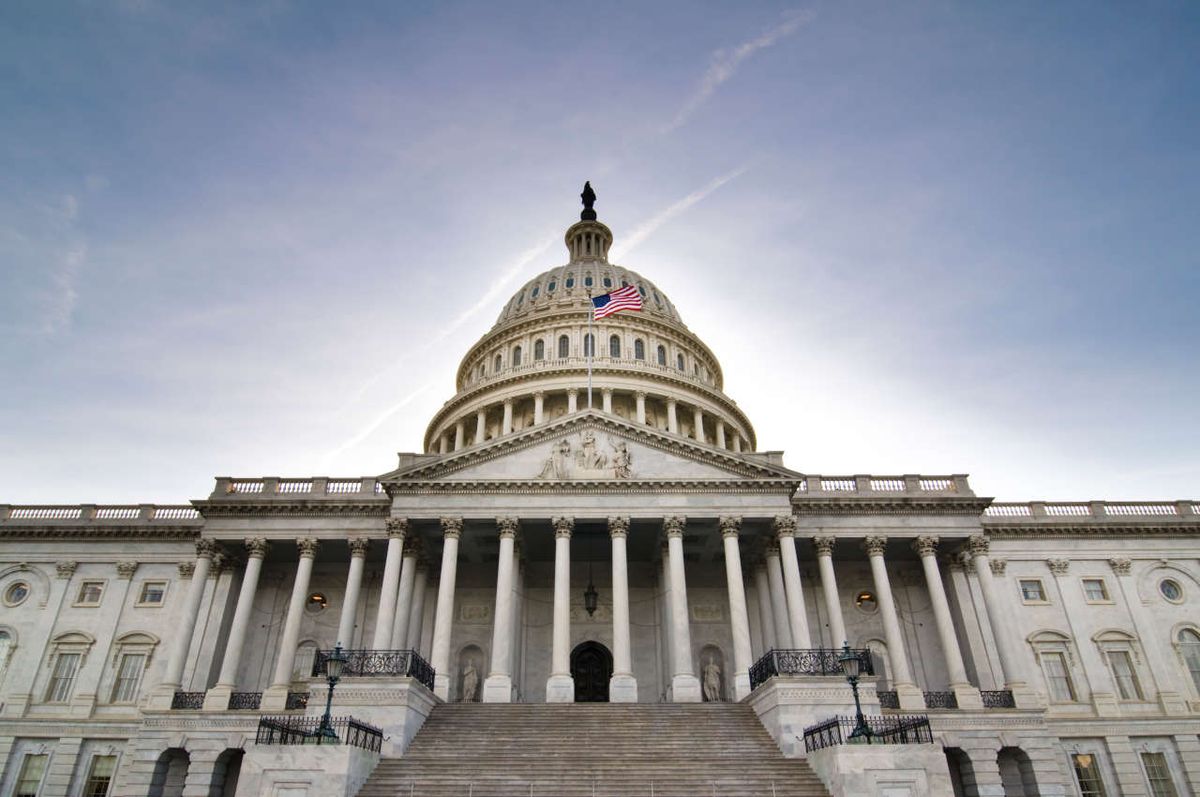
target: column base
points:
(622, 689)
(497, 689)
(441, 686)
(1024, 697)
(910, 697)
(217, 698)
(274, 698)
(162, 697)
(686, 689)
(741, 686)
(560, 689)
(968, 697)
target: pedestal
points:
(560, 689)
(968, 697)
(162, 697)
(274, 698)
(741, 686)
(686, 689)
(622, 689)
(910, 697)
(441, 686)
(497, 689)
(217, 698)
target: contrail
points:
(375, 424)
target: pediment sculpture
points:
(588, 458)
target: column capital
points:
(1059, 567)
(673, 525)
(618, 526)
(998, 566)
(397, 527)
(771, 548)
(784, 525)
(605, 390)
(257, 547)
(451, 527)
(507, 526)
(125, 570)
(205, 549)
(672, 402)
(978, 545)
(925, 545)
(641, 394)
(539, 394)
(187, 570)
(824, 545)
(413, 547)
(572, 391)
(563, 526)
(359, 546)
(730, 525)
(875, 545)
(307, 547)
(1121, 566)
(65, 569)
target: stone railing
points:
(1065, 512)
(606, 362)
(315, 487)
(93, 513)
(884, 486)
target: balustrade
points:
(912, 729)
(815, 661)
(378, 663)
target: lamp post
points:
(333, 674)
(851, 666)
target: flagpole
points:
(591, 350)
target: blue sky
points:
(926, 237)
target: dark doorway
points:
(591, 667)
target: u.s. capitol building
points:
(620, 538)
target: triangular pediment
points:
(594, 449)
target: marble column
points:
(1010, 666)
(443, 619)
(275, 697)
(404, 593)
(173, 675)
(762, 587)
(460, 435)
(506, 424)
(685, 686)
(560, 687)
(358, 555)
(606, 400)
(833, 601)
(443, 444)
(968, 696)
(737, 443)
(672, 417)
(720, 433)
(396, 529)
(416, 615)
(664, 580)
(480, 426)
(497, 688)
(640, 397)
(572, 401)
(698, 424)
(783, 632)
(539, 407)
(739, 620)
(217, 698)
(907, 693)
(785, 530)
(622, 686)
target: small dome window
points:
(539, 350)
(662, 355)
(533, 293)
(614, 347)
(516, 358)
(499, 363)
(482, 370)
(587, 281)
(589, 345)
(657, 300)
(608, 282)
(520, 299)
(639, 349)
(1169, 588)
(564, 347)
(642, 291)
(550, 288)
(678, 362)
(570, 280)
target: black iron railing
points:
(888, 699)
(245, 700)
(376, 663)
(188, 700)
(817, 661)
(883, 730)
(308, 730)
(998, 698)
(296, 700)
(941, 700)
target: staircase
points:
(586, 749)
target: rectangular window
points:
(1159, 777)
(62, 680)
(1095, 590)
(90, 593)
(1121, 664)
(32, 769)
(1032, 590)
(1087, 775)
(1058, 676)
(129, 678)
(152, 593)
(99, 776)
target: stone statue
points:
(712, 680)
(558, 464)
(589, 457)
(621, 462)
(470, 683)
(589, 198)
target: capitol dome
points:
(532, 366)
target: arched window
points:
(482, 370)
(499, 363)
(564, 347)
(614, 346)
(550, 288)
(587, 281)
(570, 280)
(639, 349)
(608, 282)
(516, 358)
(678, 362)
(539, 350)
(533, 293)
(1189, 649)
(5, 648)
(662, 355)
(589, 345)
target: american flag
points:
(626, 298)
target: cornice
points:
(13, 531)
(592, 487)
(1093, 529)
(950, 505)
(237, 507)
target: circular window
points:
(1171, 590)
(865, 601)
(16, 594)
(316, 603)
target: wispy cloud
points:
(647, 228)
(725, 62)
(379, 420)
